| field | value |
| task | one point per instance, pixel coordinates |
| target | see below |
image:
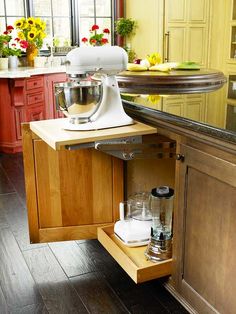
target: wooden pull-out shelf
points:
(132, 260)
(52, 133)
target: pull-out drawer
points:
(35, 82)
(35, 98)
(132, 260)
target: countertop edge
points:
(180, 125)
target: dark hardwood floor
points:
(65, 277)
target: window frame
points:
(74, 17)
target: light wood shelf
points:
(132, 259)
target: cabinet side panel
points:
(30, 183)
(144, 175)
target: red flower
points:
(84, 39)
(93, 41)
(106, 31)
(24, 44)
(95, 27)
(13, 45)
(17, 39)
(10, 28)
(5, 33)
(104, 41)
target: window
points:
(67, 20)
(57, 14)
(10, 10)
(98, 12)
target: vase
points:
(12, 62)
(3, 63)
(31, 53)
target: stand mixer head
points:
(90, 103)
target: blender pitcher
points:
(161, 204)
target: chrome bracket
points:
(132, 147)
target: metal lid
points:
(162, 192)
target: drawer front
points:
(33, 83)
(35, 98)
(35, 113)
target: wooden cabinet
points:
(204, 268)
(23, 100)
(73, 193)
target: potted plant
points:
(5, 38)
(33, 31)
(125, 27)
(14, 50)
(97, 39)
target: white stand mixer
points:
(108, 112)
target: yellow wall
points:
(149, 31)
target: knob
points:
(180, 157)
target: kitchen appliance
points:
(161, 204)
(133, 228)
(93, 101)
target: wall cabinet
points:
(22, 100)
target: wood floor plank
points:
(130, 293)
(16, 216)
(16, 281)
(96, 294)
(95, 252)
(31, 309)
(5, 184)
(72, 259)
(3, 303)
(12, 165)
(58, 294)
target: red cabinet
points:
(24, 100)
(50, 81)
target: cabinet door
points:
(69, 193)
(187, 22)
(205, 259)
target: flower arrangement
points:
(5, 38)
(95, 38)
(31, 30)
(10, 46)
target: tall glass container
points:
(161, 204)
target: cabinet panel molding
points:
(204, 263)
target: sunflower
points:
(31, 21)
(31, 35)
(19, 23)
(21, 35)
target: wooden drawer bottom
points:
(132, 260)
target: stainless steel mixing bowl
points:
(78, 100)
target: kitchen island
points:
(26, 94)
(73, 191)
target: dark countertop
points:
(174, 83)
(154, 116)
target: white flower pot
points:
(3, 63)
(13, 62)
